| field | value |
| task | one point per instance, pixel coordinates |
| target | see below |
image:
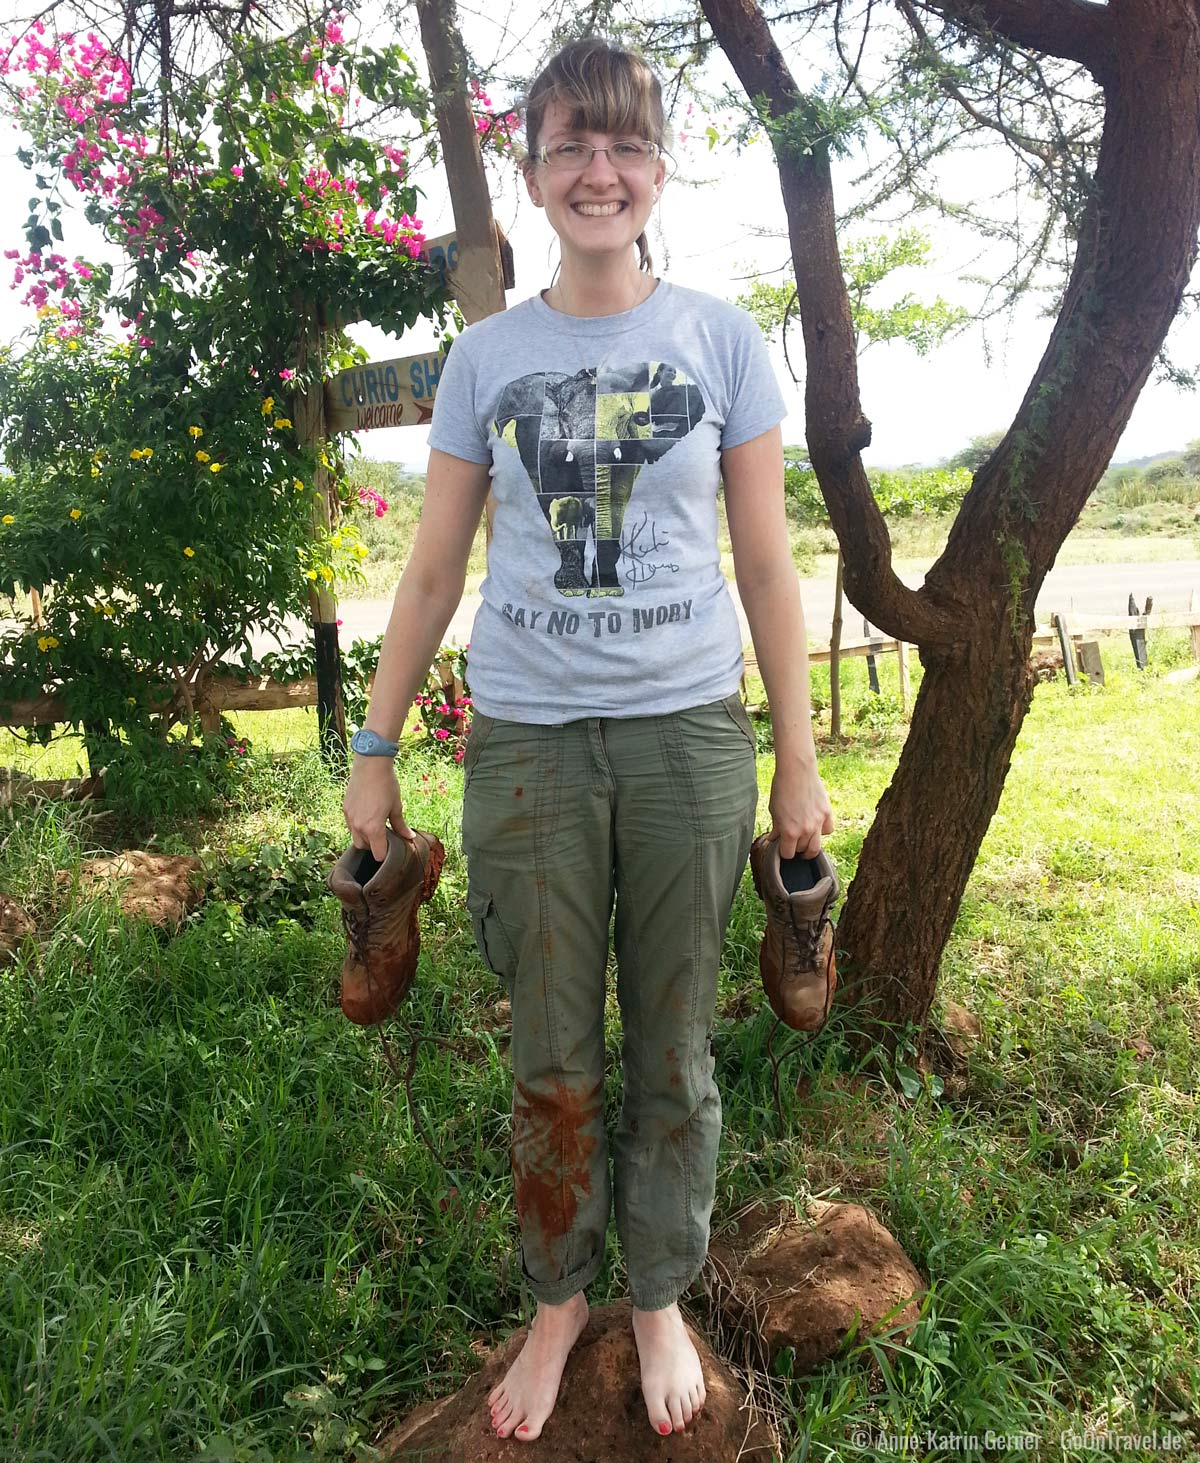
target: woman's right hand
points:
(372, 800)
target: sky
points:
(719, 221)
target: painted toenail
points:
(664, 1427)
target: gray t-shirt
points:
(604, 594)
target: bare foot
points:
(523, 1401)
(672, 1378)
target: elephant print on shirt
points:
(583, 441)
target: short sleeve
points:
(454, 427)
(756, 403)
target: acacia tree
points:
(1102, 104)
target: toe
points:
(502, 1415)
(676, 1411)
(528, 1431)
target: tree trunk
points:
(972, 620)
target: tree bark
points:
(973, 618)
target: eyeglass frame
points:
(658, 152)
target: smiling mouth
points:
(597, 210)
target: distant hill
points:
(1145, 461)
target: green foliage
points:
(1165, 470)
(976, 452)
(1191, 458)
(272, 881)
(866, 263)
(900, 493)
(153, 780)
(157, 488)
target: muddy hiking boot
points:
(796, 958)
(379, 910)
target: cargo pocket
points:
(491, 938)
(741, 717)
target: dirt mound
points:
(159, 887)
(783, 1281)
(600, 1413)
(15, 924)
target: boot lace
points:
(357, 925)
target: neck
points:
(595, 290)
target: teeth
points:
(597, 210)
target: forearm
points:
(413, 636)
(776, 616)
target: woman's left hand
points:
(800, 810)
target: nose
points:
(600, 170)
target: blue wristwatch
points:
(370, 744)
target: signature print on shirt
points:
(584, 440)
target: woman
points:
(609, 755)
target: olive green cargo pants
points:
(658, 811)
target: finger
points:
(827, 825)
(813, 847)
(379, 844)
(396, 818)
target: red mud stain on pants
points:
(674, 1078)
(550, 1152)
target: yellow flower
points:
(76, 513)
(131, 700)
(190, 552)
(361, 550)
(336, 540)
(268, 406)
(216, 467)
(195, 431)
(326, 573)
(110, 610)
(202, 457)
(283, 421)
(310, 574)
(72, 345)
(136, 453)
(325, 462)
(47, 642)
(95, 472)
(8, 518)
(298, 485)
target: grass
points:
(220, 1229)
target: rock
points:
(15, 925)
(162, 888)
(599, 1402)
(787, 1282)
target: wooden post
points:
(309, 413)
(1194, 608)
(1137, 638)
(872, 668)
(835, 642)
(1090, 663)
(905, 687)
(1068, 654)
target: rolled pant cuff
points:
(555, 1292)
(658, 1297)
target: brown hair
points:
(606, 89)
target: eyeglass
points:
(622, 155)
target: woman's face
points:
(562, 191)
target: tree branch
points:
(836, 428)
(1076, 30)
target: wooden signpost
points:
(400, 392)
